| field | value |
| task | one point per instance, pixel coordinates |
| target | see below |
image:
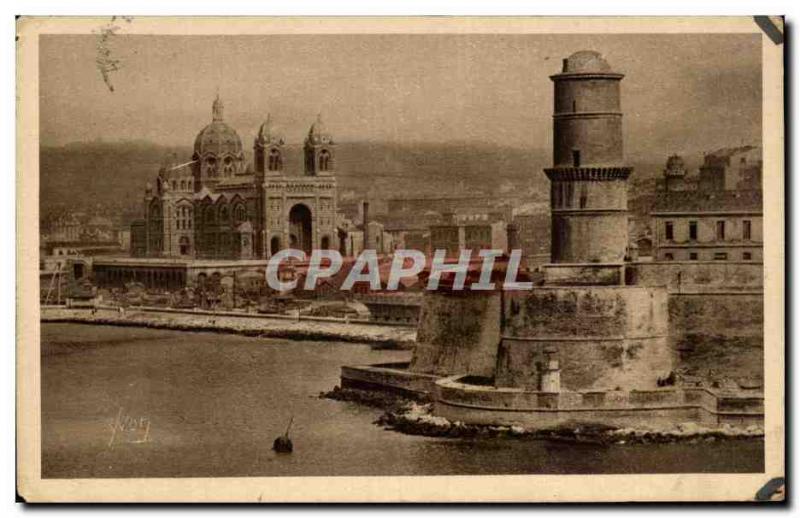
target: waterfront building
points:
(714, 216)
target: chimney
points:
(365, 217)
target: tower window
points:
(693, 256)
(693, 230)
(574, 106)
(747, 256)
(274, 160)
(720, 230)
(576, 157)
(669, 233)
(746, 229)
(668, 256)
(324, 158)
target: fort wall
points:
(458, 333)
(604, 338)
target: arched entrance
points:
(300, 228)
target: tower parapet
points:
(588, 180)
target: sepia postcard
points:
(433, 259)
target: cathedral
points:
(217, 206)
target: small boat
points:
(282, 443)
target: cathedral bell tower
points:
(319, 150)
(588, 180)
(268, 150)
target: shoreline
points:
(255, 325)
(413, 416)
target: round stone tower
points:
(588, 180)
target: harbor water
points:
(138, 402)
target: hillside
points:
(111, 176)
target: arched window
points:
(239, 213)
(274, 160)
(224, 215)
(211, 215)
(326, 243)
(211, 166)
(228, 165)
(324, 159)
(183, 185)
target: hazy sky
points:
(681, 93)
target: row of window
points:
(669, 230)
(718, 256)
(184, 185)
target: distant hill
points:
(114, 174)
(84, 174)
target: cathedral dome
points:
(585, 61)
(217, 137)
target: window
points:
(746, 229)
(747, 256)
(324, 158)
(693, 256)
(574, 106)
(668, 256)
(669, 234)
(720, 256)
(693, 230)
(274, 160)
(240, 213)
(720, 230)
(576, 158)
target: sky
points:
(682, 92)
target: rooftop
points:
(708, 201)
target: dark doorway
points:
(274, 245)
(300, 227)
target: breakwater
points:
(248, 324)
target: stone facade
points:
(216, 206)
(602, 338)
(717, 216)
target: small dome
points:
(267, 134)
(675, 166)
(585, 61)
(317, 134)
